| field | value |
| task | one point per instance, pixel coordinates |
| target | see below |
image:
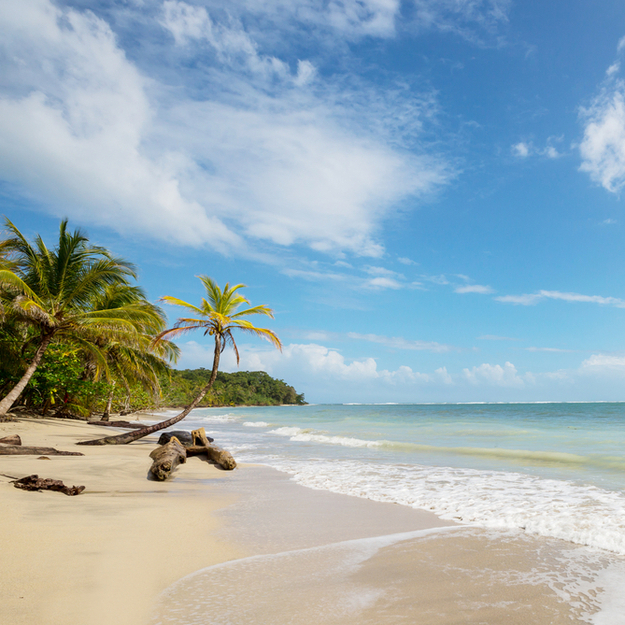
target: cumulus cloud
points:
(260, 157)
(494, 375)
(297, 361)
(604, 364)
(533, 298)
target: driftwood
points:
(34, 482)
(201, 445)
(183, 437)
(19, 450)
(167, 458)
(135, 425)
(14, 439)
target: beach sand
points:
(251, 546)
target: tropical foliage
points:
(218, 315)
(78, 336)
(77, 300)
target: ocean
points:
(550, 469)
(537, 491)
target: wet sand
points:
(253, 547)
(318, 557)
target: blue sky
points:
(427, 192)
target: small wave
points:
(527, 456)
(256, 424)
(314, 436)
(215, 418)
(585, 515)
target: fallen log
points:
(19, 450)
(14, 439)
(34, 482)
(201, 445)
(135, 425)
(166, 458)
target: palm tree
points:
(218, 316)
(52, 290)
(129, 356)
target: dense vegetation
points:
(243, 388)
(77, 336)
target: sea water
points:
(552, 470)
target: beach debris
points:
(184, 436)
(13, 439)
(34, 482)
(134, 425)
(19, 450)
(202, 445)
(167, 458)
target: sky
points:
(428, 193)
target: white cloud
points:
(603, 146)
(383, 283)
(472, 19)
(613, 69)
(406, 261)
(495, 375)
(93, 138)
(525, 149)
(401, 343)
(521, 149)
(186, 22)
(551, 152)
(474, 288)
(609, 222)
(533, 298)
(621, 44)
(232, 45)
(603, 365)
(442, 280)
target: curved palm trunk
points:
(16, 391)
(129, 437)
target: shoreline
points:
(140, 552)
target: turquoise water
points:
(552, 469)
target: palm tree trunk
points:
(109, 403)
(129, 437)
(16, 391)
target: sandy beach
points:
(251, 546)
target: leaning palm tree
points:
(51, 290)
(218, 316)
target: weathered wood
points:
(135, 425)
(34, 482)
(19, 450)
(218, 455)
(14, 439)
(166, 458)
(183, 436)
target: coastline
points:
(253, 546)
